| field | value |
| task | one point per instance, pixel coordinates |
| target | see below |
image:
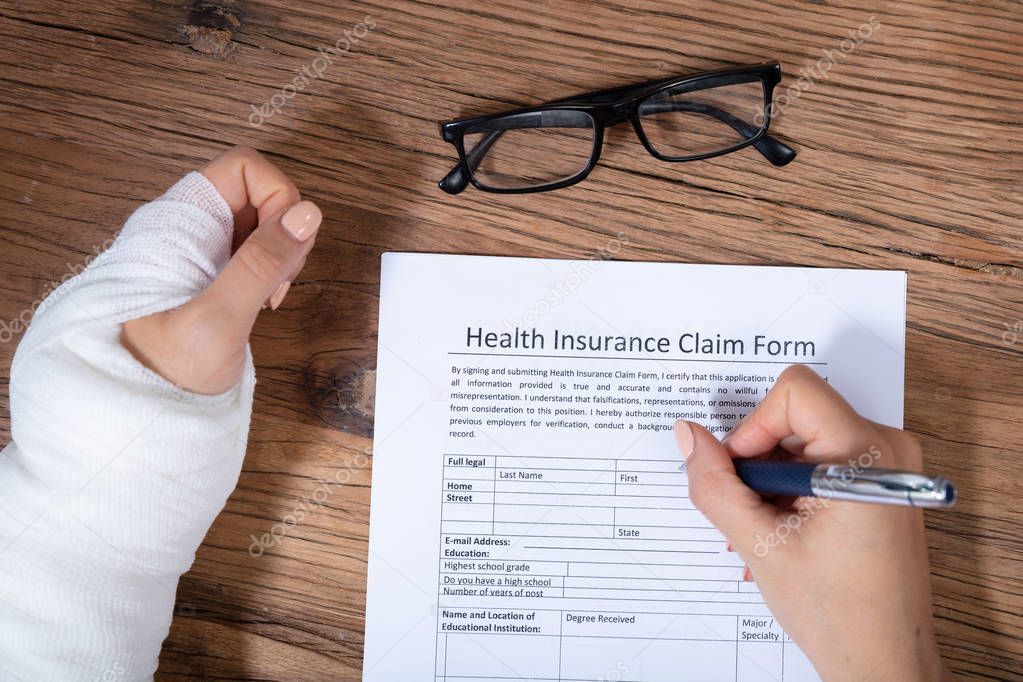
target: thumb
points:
(717, 491)
(262, 266)
(201, 345)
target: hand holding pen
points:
(848, 582)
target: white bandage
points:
(113, 475)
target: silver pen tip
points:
(950, 494)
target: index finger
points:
(244, 177)
(802, 407)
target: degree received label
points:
(530, 517)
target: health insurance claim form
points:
(530, 517)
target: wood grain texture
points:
(910, 157)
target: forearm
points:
(114, 475)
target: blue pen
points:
(840, 482)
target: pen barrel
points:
(840, 482)
(777, 478)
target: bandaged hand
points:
(130, 401)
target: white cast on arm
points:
(113, 475)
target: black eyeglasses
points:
(685, 118)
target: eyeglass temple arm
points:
(457, 180)
(778, 153)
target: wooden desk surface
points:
(910, 157)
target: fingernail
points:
(747, 575)
(279, 295)
(730, 548)
(684, 438)
(302, 220)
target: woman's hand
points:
(849, 582)
(200, 345)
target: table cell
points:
(596, 623)
(552, 487)
(552, 530)
(442, 646)
(760, 630)
(527, 585)
(797, 665)
(759, 662)
(557, 515)
(594, 498)
(667, 466)
(603, 550)
(669, 518)
(540, 474)
(477, 527)
(487, 620)
(656, 533)
(652, 492)
(591, 658)
(724, 573)
(591, 464)
(549, 584)
(455, 498)
(672, 478)
(459, 511)
(472, 462)
(600, 658)
(664, 595)
(693, 547)
(467, 485)
(500, 567)
(639, 584)
(465, 474)
(518, 657)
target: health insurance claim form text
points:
(530, 517)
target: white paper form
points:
(530, 517)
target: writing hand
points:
(849, 582)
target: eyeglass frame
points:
(610, 107)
